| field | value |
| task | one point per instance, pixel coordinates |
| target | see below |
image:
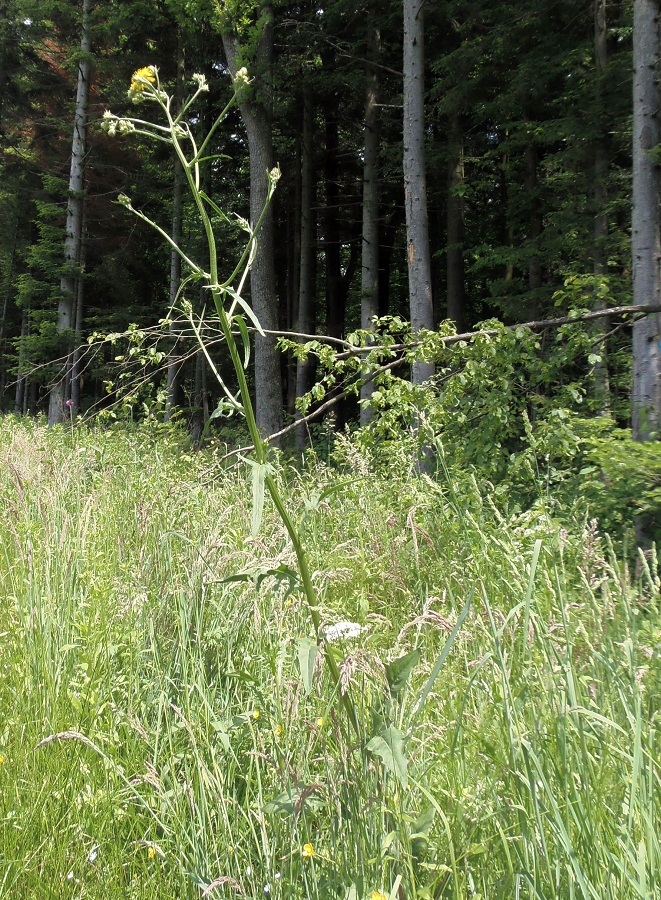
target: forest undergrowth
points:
(168, 729)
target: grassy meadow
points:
(169, 730)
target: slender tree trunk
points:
(369, 307)
(256, 115)
(646, 239)
(78, 326)
(200, 399)
(335, 300)
(415, 182)
(455, 229)
(600, 230)
(74, 223)
(306, 295)
(175, 365)
(292, 212)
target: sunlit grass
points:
(166, 730)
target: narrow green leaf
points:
(531, 585)
(441, 659)
(307, 655)
(241, 322)
(394, 893)
(211, 203)
(246, 308)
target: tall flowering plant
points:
(233, 312)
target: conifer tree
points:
(66, 311)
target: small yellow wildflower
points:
(2, 759)
(378, 895)
(308, 851)
(320, 722)
(138, 79)
(278, 730)
(255, 714)
(151, 853)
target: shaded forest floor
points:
(167, 728)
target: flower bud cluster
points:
(113, 124)
(241, 78)
(201, 82)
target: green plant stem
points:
(259, 444)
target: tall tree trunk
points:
(175, 365)
(600, 229)
(306, 295)
(369, 306)
(335, 299)
(646, 237)
(78, 325)
(292, 214)
(256, 114)
(74, 222)
(200, 399)
(415, 182)
(455, 228)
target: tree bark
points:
(256, 115)
(78, 326)
(415, 182)
(600, 228)
(335, 296)
(306, 295)
(57, 411)
(369, 306)
(646, 239)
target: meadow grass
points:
(167, 728)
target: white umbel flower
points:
(342, 631)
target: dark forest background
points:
(528, 135)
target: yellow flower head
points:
(138, 79)
(255, 714)
(308, 851)
(278, 730)
(378, 895)
(2, 759)
(320, 722)
(151, 853)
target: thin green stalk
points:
(191, 169)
